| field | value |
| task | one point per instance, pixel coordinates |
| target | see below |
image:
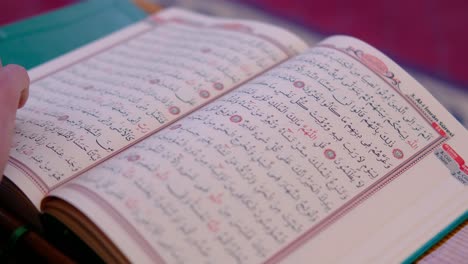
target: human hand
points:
(14, 90)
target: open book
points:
(188, 139)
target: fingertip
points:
(17, 77)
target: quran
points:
(190, 139)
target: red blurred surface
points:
(429, 34)
(14, 10)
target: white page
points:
(90, 104)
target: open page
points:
(333, 152)
(92, 103)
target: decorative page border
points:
(35, 179)
(153, 21)
(380, 69)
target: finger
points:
(21, 78)
(13, 81)
(16, 79)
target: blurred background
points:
(429, 38)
